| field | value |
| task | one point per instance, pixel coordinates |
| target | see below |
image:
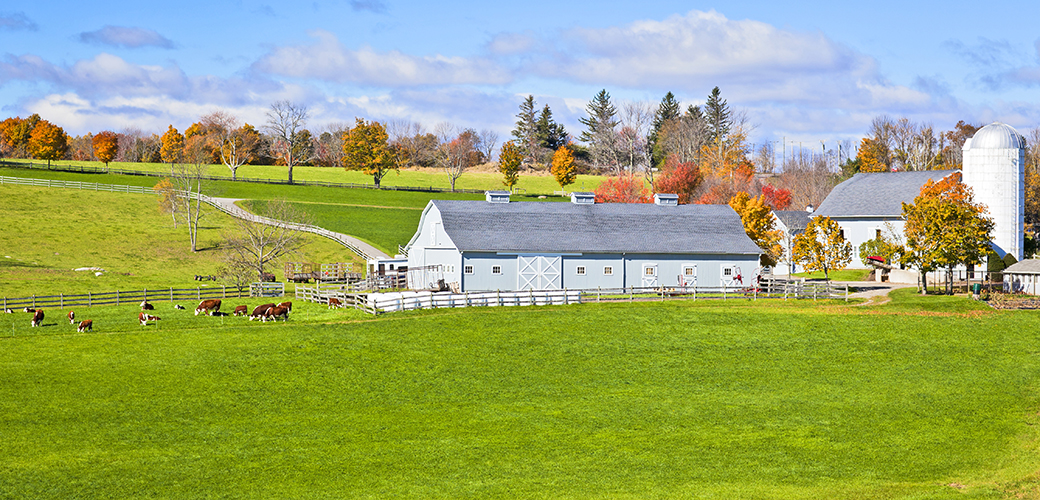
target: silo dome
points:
(994, 168)
(996, 136)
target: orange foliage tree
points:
(872, 156)
(563, 168)
(106, 145)
(680, 179)
(623, 189)
(48, 142)
(778, 198)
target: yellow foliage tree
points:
(724, 155)
(509, 160)
(822, 247)
(873, 156)
(759, 224)
(106, 145)
(563, 167)
(366, 148)
(48, 142)
(172, 146)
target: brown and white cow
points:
(286, 305)
(260, 311)
(241, 310)
(334, 302)
(145, 306)
(277, 312)
(28, 309)
(144, 318)
(72, 317)
(37, 317)
(85, 326)
(208, 306)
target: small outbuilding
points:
(502, 245)
(1023, 277)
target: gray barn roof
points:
(795, 220)
(877, 194)
(1026, 266)
(599, 228)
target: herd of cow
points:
(209, 307)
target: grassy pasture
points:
(674, 400)
(48, 232)
(436, 178)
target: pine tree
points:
(717, 114)
(550, 135)
(601, 117)
(667, 111)
(525, 131)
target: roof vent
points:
(496, 196)
(809, 208)
(583, 198)
(671, 200)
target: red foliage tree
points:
(681, 179)
(624, 189)
(777, 198)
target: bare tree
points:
(488, 140)
(808, 178)
(285, 122)
(328, 147)
(236, 144)
(265, 239)
(637, 120)
(188, 180)
(457, 153)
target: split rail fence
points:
(91, 299)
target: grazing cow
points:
(334, 302)
(37, 317)
(276, 312)
(28, 309)
(208, 306)
(9, 311)
(178, 306)
(286, 305)
(260, 311)
(145, 306)
(241, 310)
(144, 318)
(72, 317)
(86, 325)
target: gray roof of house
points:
(599, 228)
(795, 220)
(877, 194)
(1025, 266)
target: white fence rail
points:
(90, 186)
(378, 303)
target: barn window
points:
(608, 270)
(727, 271)
(649, 270)
(467, 269)
(496, 269)
(688, 271)
(581, 271)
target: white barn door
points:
(649, 276)
(540, 272)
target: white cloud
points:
(128, 37)
(327, 59)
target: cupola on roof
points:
(996, 136)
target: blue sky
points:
(801, 72)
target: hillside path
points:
(875, 293)
(228, 206)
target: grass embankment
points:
(436, 178)
(673, 400)
(48, 232)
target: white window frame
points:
(496, 269)
(468, 269)
(608, 270)
(580, 271)
(649, 269)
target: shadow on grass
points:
(17, 263)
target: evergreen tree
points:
(550, 135)
(525, 131)
(601, 117)
(717, 114)
(667, 111)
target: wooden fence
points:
(91, 299)
(90, 186)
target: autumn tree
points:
(622, 189)
(235, 144)
(106, 145)
(760, 225)
(48, 142)
(680, 179)
(822, 247)
(776, 197)
(285, 122)
(945, 227)
(366, 148)
(457, 153)
(886, 246)
(1032, 177)
(509, 160)
(873, 156)
(15, 134)
(563, 169)
(172, 147)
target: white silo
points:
(994, 168)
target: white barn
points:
(502, 245)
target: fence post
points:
(629, 293)
(598, 291)
(846, 292)
(223, 291)
(88, 300)
(198, 293)
(34, 301)
(171, 294)
(61, 300)
(117, 298)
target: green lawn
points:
(838, 275)
(663, 400)
(436, 178)
(48, 232)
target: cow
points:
(86, 325)
(37, 317)
(208, 306)
(276, 312)
(334, 302)
(145, 306)
(260, 311)
(286, 305)
(28, 309)
(241, 310)
(9, 311)
(178, 306)
(144, 318)
(72, 317)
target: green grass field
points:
(675, 400)
(436, 178)
(48, 232)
